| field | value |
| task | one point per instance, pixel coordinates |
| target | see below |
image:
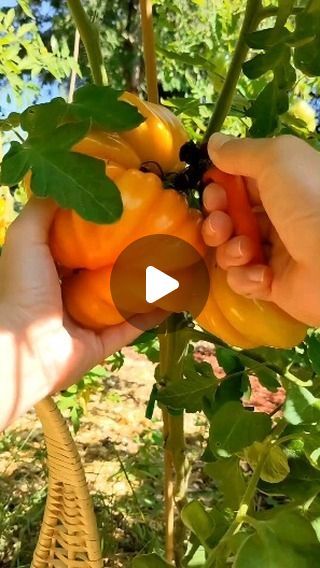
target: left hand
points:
(41, 349)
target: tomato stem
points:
(250, 22)
(221, 550)
(149, 50)
(89, 35)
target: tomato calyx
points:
(190, 180)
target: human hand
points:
(283, 179)
(41, 349)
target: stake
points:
(149, 50)
(73, 77)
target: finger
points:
(252, 281)
(115, 337)
(265, 226)
(214, 198)
(239, 156)
(236, 252)
(33, 223)
(217, 228)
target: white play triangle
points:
(158, 284)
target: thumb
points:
(238, 156)
(33, 223)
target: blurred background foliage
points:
(195, 42)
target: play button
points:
(158, 284)
(159, 271)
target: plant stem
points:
(248, 496)
(149, 51)
(173, 348)
(250, 22)
(90, 38)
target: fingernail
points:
(217, 140)
(256, 274)
(235, 249)
(212, 226)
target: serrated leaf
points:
(15, 164)
(301, 407)
(228, 476)
(103, 107)
(233, 428)
(150, 561)
(287, 540)
(76, 181)
(43, 118)
(275, 467)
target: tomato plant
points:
(266, 467)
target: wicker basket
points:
(68, 536)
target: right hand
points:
(283, 179)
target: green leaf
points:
(42, 119)
(189, 393)
(275, 467)
(267, 378)
(311, 447)
(229, 360)
(264, 39)
(229, 389)
(12, 121)
(287, 540)
(63, 137)
(149, 561)
(268, 61)
(234, 428)
(301, 407)
(24, 4)
(285, 8)
(194, 60)
(102, 106)
(306, 55)
(265, 109)
(313, 349)
(228, 476)
(196, 519)
(15, 164)
(76, 181)
(302, 484)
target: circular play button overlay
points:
(159, 271)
